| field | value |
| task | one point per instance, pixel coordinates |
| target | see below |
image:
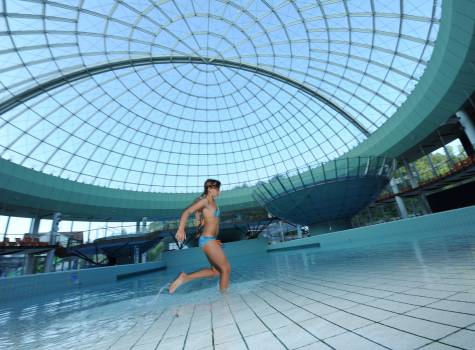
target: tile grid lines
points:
(290, 291)
(212, 328)
(232, 314)
(437, 341)
(379, 322)
(440, 341)
(308, 275)
(366, 304)
(447, 335)
(351, 291)
(237, 324)
(366, 288)
(166, 330)
(388, 278)
(384, 298)
(189, 326)
(123, 335)
(321, 316)
(445, 278)
(323, 341)
(386, 273)
(293, 320)
(143, 333)
(326, 286)
(345, 290)
(340, 309)
(270, 330)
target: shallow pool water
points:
(406, 295)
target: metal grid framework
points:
(158, 96)
(343, 169)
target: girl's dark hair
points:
(210, 183)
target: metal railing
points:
(440, 170)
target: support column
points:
(29, 262)
(35, 225)
(429, 159)
(6, 228)
(434, 170)
(415, 172)
(136, 254)
(106, 228)
(414, 184)
(57, 217)
(144, 225)
(468, 126)
(446, 151)
(412, 179)
(399, 202)
(299, 231)
(89, 232)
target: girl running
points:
(206, 209)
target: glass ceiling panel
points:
(269, 86)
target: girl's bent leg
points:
(216, 256)
(211, 272)
(183, 277)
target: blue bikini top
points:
(217, 212)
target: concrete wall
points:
(458, 221)
(14, 288)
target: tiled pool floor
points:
(395, 296)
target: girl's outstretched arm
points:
(180, 233)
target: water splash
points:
(159, 292)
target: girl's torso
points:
(210, 215)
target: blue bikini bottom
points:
(205, 239)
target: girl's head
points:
(212, 186)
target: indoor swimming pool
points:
(406, 295)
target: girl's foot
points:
(180, 279)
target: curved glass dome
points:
(158, 96)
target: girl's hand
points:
(180, 235)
